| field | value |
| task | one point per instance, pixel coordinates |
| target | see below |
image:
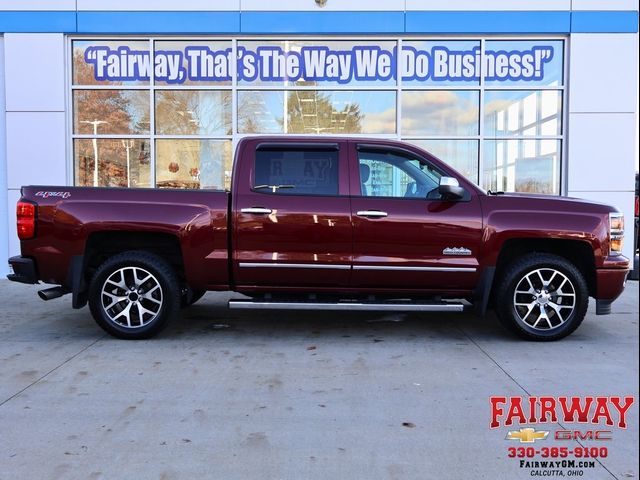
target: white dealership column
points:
(34, 68)
(602, 122)
(4, 214)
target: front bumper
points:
(610, 284)
(24, 270)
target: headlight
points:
(616, 233)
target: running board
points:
(362, 306)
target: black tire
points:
(554, 314)
(143, 310)
(189, 297)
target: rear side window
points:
(296, 171)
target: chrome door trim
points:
(294, 265)
(415, 269)
(355, 267)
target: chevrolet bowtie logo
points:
(527, 435)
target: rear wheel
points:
(542, 297)
(133, 295)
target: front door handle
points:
(256, 210)
(371, 213)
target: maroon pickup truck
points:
(324, 223)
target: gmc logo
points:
(584, 435)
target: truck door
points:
(292, 216)
(406, 236)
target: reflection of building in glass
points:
(517, 155)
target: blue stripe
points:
(488, 22)
(604, 22)
(40, 21)
(158, 22)
(422, 22)
(322, 22)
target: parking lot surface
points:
(240, 395)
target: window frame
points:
(396, 86)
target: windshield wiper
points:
(495, 193)
(273, 187)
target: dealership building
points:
(518, 95)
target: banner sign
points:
(319, 64)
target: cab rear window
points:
(296, 171)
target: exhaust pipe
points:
(53, 292)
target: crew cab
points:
(324, 223)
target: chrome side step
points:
(362, 306)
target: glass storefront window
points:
(440, 62)
(193, 112)
(522, 113)
(522, 165)
(193, 164)
(111, 62)
(116, 112)
(535, 62)
(317, 111)
(490, 107)
(199, 62)
(440, 112)
(112, 162)
(316, 62)
(460, 154)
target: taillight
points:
(26, 219)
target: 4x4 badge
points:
(456, 251)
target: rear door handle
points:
(256, 210)
(371, 213)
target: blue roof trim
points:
(158, 22)
(488, 22)
(271, 22)
(37, 21)
(604, 22)
(322, 22)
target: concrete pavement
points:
(241, 395)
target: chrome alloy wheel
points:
(544, 299)
(131, 297)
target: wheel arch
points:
(578, 252)
(101, 245)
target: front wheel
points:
(542, 297)
(133, 295)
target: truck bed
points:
(197, 219)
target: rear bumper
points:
(24, 270)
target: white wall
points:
(34, 69)
(4, 221)
(602, 121)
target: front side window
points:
(389, 174)
(296, 172)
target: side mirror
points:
(450, 189)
